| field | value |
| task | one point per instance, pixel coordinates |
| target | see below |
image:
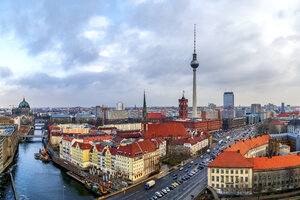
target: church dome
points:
(24, 104)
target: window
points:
(246, 179)
(227, 179)
(217, 171)
(213, 185)
(212, 170)
(217, 185)
(217, 178)
(231, 171)
(236, 179)
(242, 171)
(227, 171)
(231, 179)
(237, 171)
(246, 171)
(222, 179)
(212, 178)
(222, 171)
(242, 179)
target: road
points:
(196, 183)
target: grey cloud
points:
(5, 72)
(231, 47)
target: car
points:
(181, 168)
(186, 170)
(176, 184)
(155, 197)
(164, 191)
(158, 194)
(174, 175)
(168, 189)
(189, 166)
(171, 187)
(175, 178)
(196, 163)
(192, 162)
(180, 181)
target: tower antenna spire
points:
(194, 38)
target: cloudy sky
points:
(86, 53)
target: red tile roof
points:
(56, 134)
(287, 114)
(192, 140)
(137, 148)
(155, 116)
(169, 129)
(275, 162)
(277, 122)
(82, 146)
(230, 159)
(247, 145)
(99, 147)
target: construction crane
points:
(44, 151)
(104, 109)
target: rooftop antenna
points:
(194, 38)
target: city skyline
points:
(85, 55)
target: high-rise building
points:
(228, 100)
(194, 65)
(212, 106)
(255, 108)
(282, 110)
(183, 108)
(120, 106)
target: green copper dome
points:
(24, 104)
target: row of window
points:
(229, 185)
(278, 183)
(229, 179)
(237, 171)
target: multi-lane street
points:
(195, 184)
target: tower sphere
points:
(194, 63)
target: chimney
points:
(238, 151)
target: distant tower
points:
(194, 65)
(183, 107)
(144, 117)
(228, 100)
(144, 108)
(282, 108)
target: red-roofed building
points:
(189, 146)
(80, 153)
(166, 130)
(240, 167)
(202, 126)
(288, 116)
(252, 147)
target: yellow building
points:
(80, 153)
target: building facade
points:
(228, 100)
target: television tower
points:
(194, 65)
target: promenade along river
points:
(35, 180)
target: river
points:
(35, 180)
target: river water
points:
(35, 180)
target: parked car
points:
(168, 189)
(164, 191)
(181, 168)
(158, 194)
